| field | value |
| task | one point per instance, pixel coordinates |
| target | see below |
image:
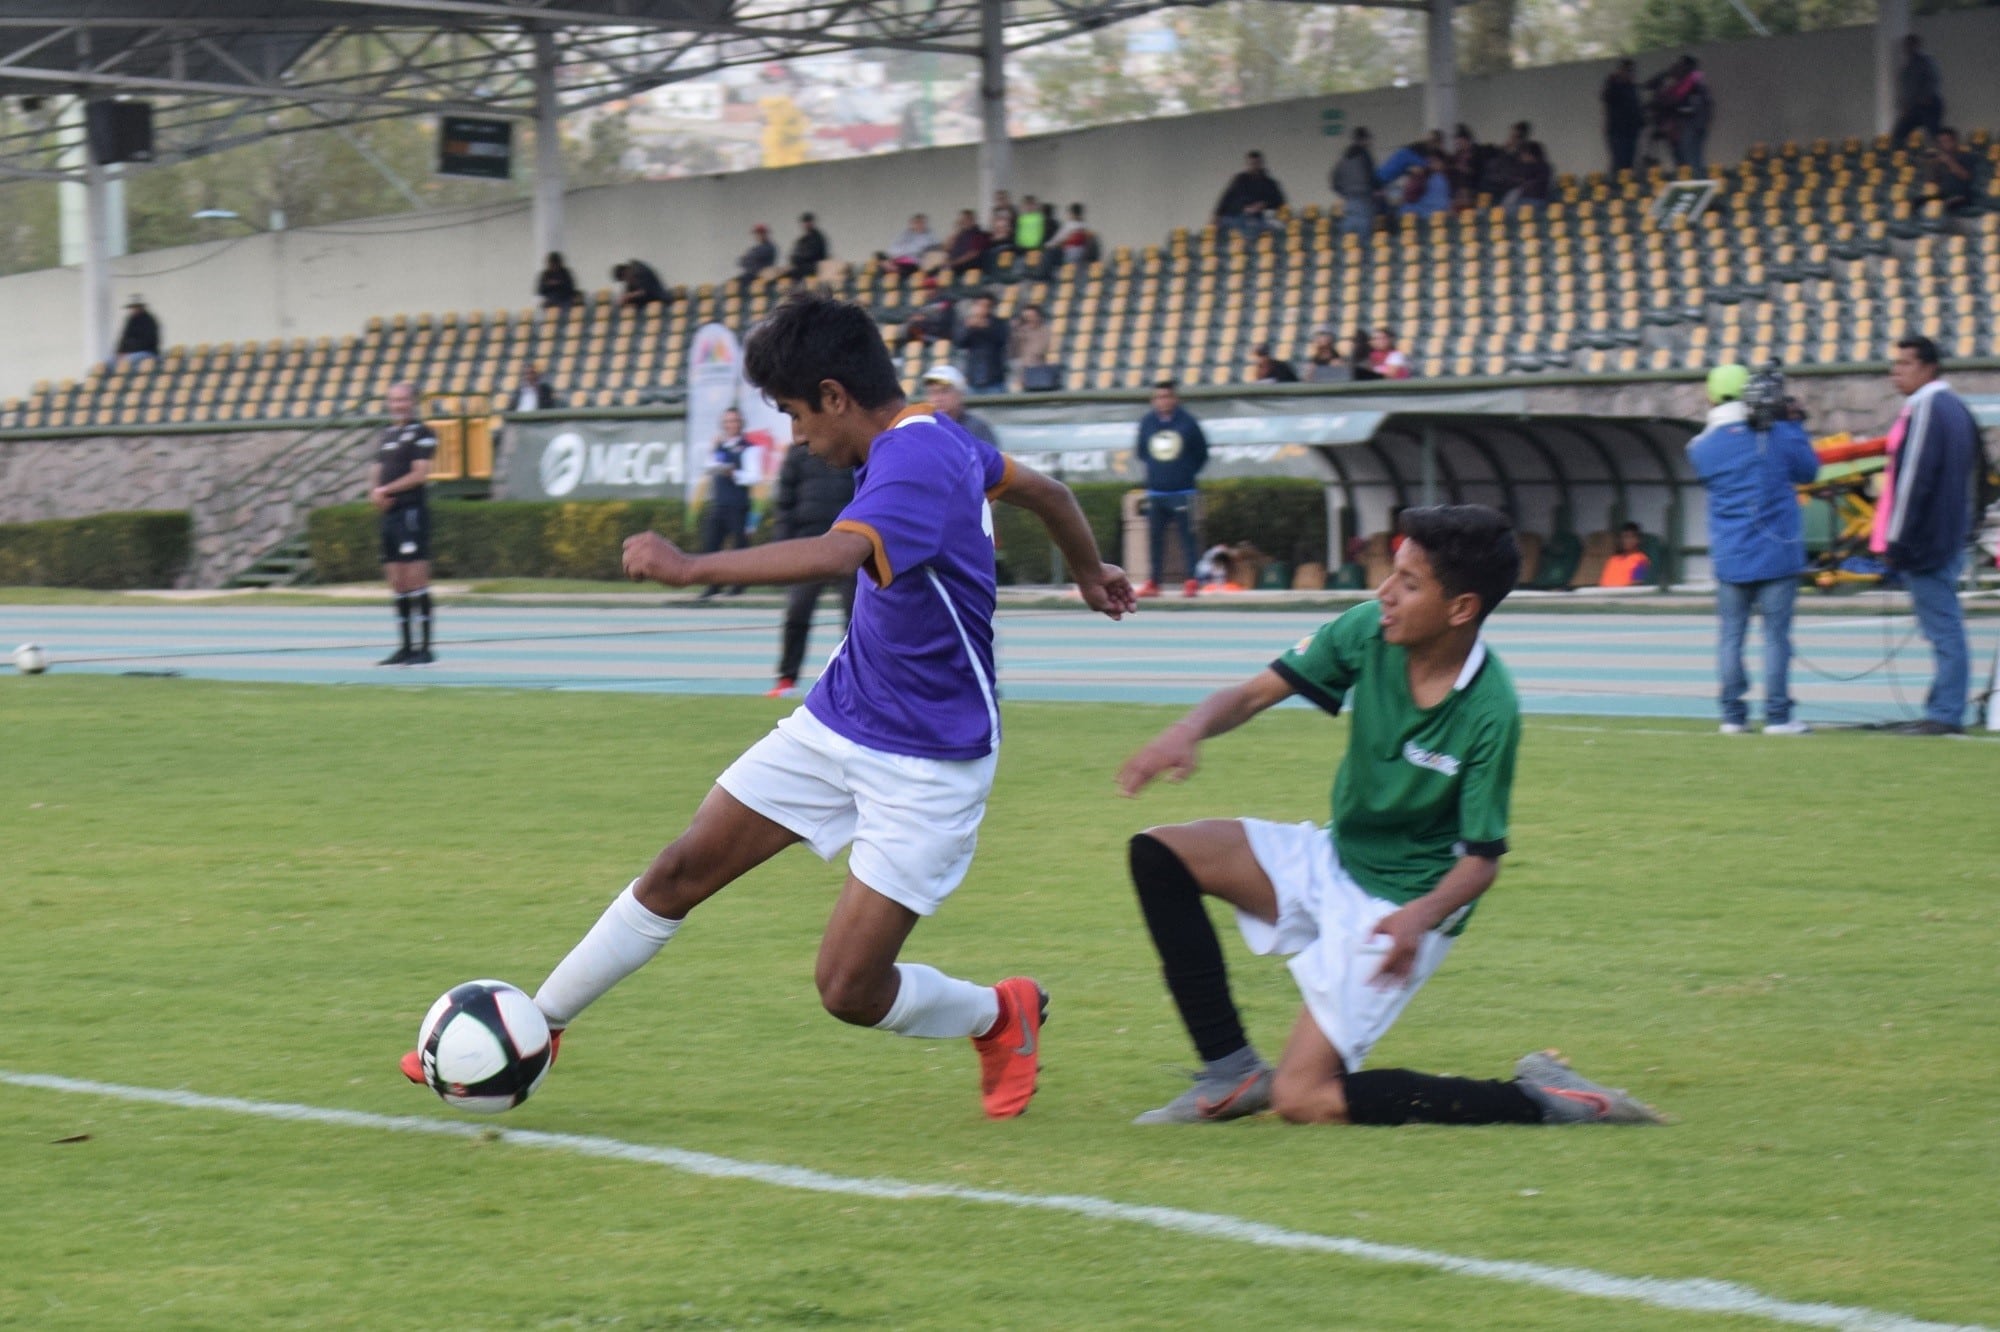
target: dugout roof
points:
(217, 69)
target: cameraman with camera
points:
(1751, 457)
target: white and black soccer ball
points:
(484, 1046)
(29, 659)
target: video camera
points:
(1765, 399)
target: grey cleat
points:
(1567, 1097)
(1213, 1100)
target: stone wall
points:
(246, 490)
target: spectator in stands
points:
(1028, 348)
(1468, 156)
(1325, 364)
(1949, 173)
(809, 251)
(638, 284)
(1925, 517)
(1173, 450)
(1919, 93)
(1075, 240)
(1628, 567)
(533, 393)
(732, 470)
(811, 493)
(944, 389)
(556, 285)
(1500, 174)
(981, 343)
(1251, 202)
(1000, 237)
(1538, 181)
(967, 249)
(1756, 541)
(1268, 369)
(1624, 116)
(907, 251)
(1426, 188)
(762, 254)
(1353, 182)
(1384, 358)
(139, 340)
(1691, 106)
(1031, 228)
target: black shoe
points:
(400, 657)
(709, 594)
(734, 591)
(1929, 727)
(421, 657)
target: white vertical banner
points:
(715, 384)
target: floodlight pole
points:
(1892, 25)
(995, 151)
(548, 217)
(1441, 82)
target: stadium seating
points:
(1814, 254)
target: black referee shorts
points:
(406, 534)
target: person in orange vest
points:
(1629, 567)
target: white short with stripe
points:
(913, 822)
(1326, 925)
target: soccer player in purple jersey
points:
(893, 751)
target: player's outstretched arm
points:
(648, 555)
(1105, 587)
(1172, 751)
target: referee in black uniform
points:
(396, 487)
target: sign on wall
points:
(468, 146)
(595, 460)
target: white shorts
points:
(913, 822)
(1326, 924)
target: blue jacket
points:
(1755, 531)
(1174, 450)
(1937, 476)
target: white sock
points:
(932, 1004)
(624, 939)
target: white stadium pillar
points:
(995, 150)
(97, 336)
(1441, 81)
(548, 215)
(1892, 24)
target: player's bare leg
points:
(724, 841)
(861, 982)
(1173, 868)
(1310, 1086)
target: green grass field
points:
(256, 891)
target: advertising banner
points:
(716, 384)
(643, 459)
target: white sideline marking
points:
(1693, 1295)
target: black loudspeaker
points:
(120, 131)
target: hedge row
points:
(1284, 518)
(498, 538)
(105, 550)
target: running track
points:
(1609, 664)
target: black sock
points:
(423, 600)
(1398, 1096)
(403, 617)
(1190, 954)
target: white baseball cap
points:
(946, 374)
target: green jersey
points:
(1419, 787)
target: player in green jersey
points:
(1368, 906)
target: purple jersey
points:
(915, 673)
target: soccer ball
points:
(30, 659)
(484, 1046)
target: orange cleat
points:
(1010, 1055)
(1190, 588)
(1149, 588)
(786, 687)
(412, 1062)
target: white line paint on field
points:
(1688, 1295)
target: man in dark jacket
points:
(1252, 200)
(811, 494)
(638, 284)
(1624, 117)
(139, 340)
(809, 250)
(982, 341)
(1353, 182)
(1925, 517)
(732, 470)
(761, 255)
(1756, 541)
(1174, 451)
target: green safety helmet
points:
(1727, 382)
